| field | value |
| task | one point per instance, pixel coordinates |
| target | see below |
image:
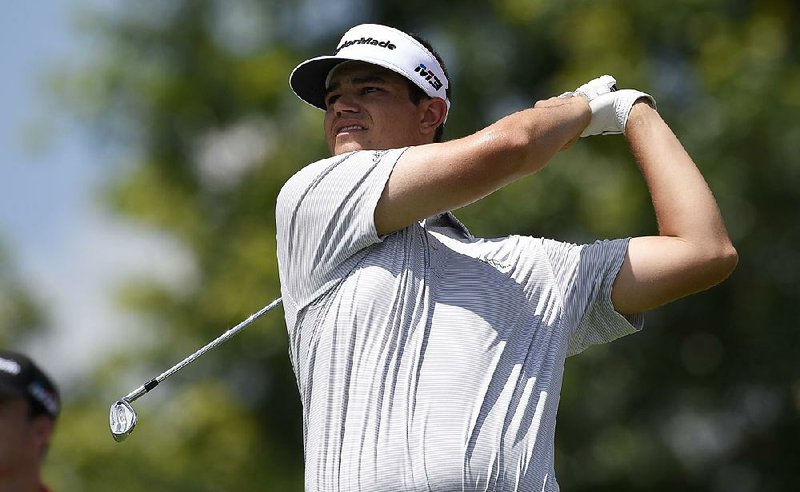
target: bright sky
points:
(68, 251)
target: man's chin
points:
(341, 148)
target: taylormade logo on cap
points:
(374, 42)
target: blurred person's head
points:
(29, 406)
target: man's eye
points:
(367, 90)
(331, 99)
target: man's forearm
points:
(433, 178)
(524, 142)
(683, 202)
(553, 125)
(693, 251)
(684, 205)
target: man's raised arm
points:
(693, 251)
(439, 177)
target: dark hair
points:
(416, 94)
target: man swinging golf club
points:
(430, 359)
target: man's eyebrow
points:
(367, 79)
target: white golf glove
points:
(610, 111)
(595, 87)
(610, 107)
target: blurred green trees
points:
(194, 93)
(21, 314)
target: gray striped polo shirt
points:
(429, 359)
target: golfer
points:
(430, 359)
(29, 405)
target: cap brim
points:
(308, 79)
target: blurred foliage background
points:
(194, 95)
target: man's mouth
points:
(350, 128)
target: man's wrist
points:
(643, 101)
(641, 109)
(582, 105)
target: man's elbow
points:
(721, 262)
(730, 260)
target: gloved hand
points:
(610, 111)
(595, 87)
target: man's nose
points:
(346, 103)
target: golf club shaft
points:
(141, 390)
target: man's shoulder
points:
(310, 171)
(313, 168)
(358, 163)
(304, 177)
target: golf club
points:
(122, 416)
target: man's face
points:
(368, 107)
(22, 438)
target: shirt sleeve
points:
(585, 274)
(325, 219)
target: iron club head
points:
(122, 419)
(122, 416)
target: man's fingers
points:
(597, 87)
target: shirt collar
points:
(449, 221)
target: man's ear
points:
(434, 111)
(42, 427)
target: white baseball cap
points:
(379, 45)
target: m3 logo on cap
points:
(423, 72)
(374, 42)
